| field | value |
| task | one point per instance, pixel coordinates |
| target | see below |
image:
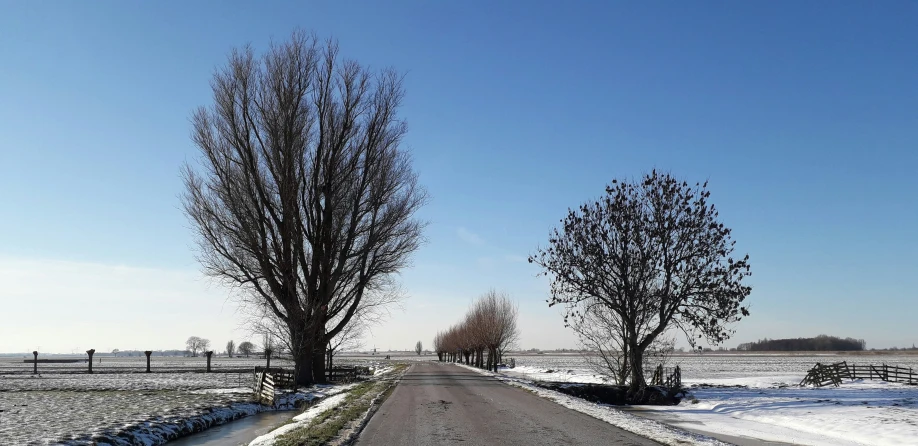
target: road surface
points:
(438, 404)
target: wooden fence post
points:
(148, 353)
(209, 354)
(268, 352)
(35, 364)
(90, 352)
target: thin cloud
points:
(469, 237)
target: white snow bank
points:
(773, 407)
(333, 396)
(857, 413)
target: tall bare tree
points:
(304, 199)
(654, 255)
(230, 348)
(418, 348)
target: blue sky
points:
(803, 117)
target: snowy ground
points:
(129, 408)
(333, 399)
(757, 396)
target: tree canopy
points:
(649, 255)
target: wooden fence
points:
(825, 374)
(666, 378)
(264, 388)
(346, 373)
(283, 378)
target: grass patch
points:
(325, 426)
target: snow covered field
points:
(757, 396)
(64, 404)
(737, 395)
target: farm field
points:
(63, 404)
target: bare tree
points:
(195, 344)
(230, 348)
(655, 256)
(418, 348)
(267, 343)
(350, 338)
(204, 344)
(439, 345)
(304, 200)
(488, 327)
(246, 348)
(605, 350)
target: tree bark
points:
(318, 363)
(302, 357)
(637, 369)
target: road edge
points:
(375, 404)
(647, 428)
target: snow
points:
(856, 413)
(559, 375)
(757, 396)
(127, 408)
(302, 419)
(644, 427)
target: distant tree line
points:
(817, 344)
(488, 330)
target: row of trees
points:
(487, 331)
(303, 199)
(195, 345)
(817, 344)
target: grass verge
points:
(326, 426)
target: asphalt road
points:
(438, 404)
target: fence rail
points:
(264, 388)
(824, 374)
(671, 378)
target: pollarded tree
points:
(304, 199)
(655, 255)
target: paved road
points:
(442, 404)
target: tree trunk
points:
(637, 370)
(302, 359)
(318, 364)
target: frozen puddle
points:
(237, 433)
